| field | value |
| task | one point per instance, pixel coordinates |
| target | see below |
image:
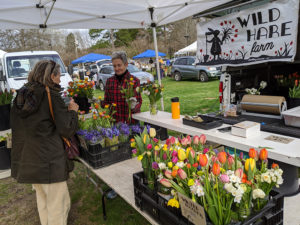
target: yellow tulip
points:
(165, 148)
(191, 182)
(140, 157)
(175, 168)
(170, 164)
(250, 162)
(152, 132)
(181, 155)
(156, 148)
(132, 144)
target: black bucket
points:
(4, 157)
(83, 104)
(293, 102)
(4, 117)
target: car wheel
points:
(203, 76)
(101, 85)
(177, 76)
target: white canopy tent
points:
(186, 50)
(101, 14)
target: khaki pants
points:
(53, 202)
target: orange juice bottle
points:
(175, 107)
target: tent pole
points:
(157, 65)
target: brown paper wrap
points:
(259, 103)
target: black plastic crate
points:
(208, 122)
(97, 156)
(156, 206)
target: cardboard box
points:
(246, 129)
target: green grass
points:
(194, 96)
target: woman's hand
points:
(73, 106)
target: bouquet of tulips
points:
(154, 93)
(81, 88)
(129, 95)
(227, 186)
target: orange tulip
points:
(174, 173)
(275, 165)
(252, 153)
(263, 154)
(188, 166)
(216, 169)
(203, 160)
(222, 157)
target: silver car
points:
(108, 71)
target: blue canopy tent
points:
(148, 54)
(92, 57)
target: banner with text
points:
(251, 36)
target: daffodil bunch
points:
(129, 95)
(81, 88)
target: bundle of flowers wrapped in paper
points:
(229, 187)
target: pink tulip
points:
(168, 174)
(196, 140)
(174, 153)
(239, 173)
(214, 159)
(172, 140)
(202, 139)
(155, 140)
(205, 150)
(241, 155)
(165, 156)
(134, 151)
(182, 174)
(149, 146)
(189, 139)
(165, 182)
(192, 153)
(230, 160)
(156, 153)
(174, 160)
(224, 178)
(184, 141)
(168, 142)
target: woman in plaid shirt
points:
(114, 86)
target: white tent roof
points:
(105, 14)
(190, 48)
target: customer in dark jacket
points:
(38, 155)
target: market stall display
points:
(228, 187)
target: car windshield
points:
(132, 69)
(20, 66)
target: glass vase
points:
(149, 177)
(153, 109)
(244, 212)
(259, 204)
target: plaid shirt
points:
(113, 94)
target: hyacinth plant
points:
(227, 186)
(6, 97)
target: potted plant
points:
(294, 96)
(5, 104)
(81, 91)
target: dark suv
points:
(185, 67)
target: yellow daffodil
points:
(222, 170)
(173, 203)
(114, 104)
(156, 148)
(106, 106)
(99, 97)
(140, 157)
(131, 78)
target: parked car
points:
(185, 67)
(102, 62)
(108, 71)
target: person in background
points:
(151, 63)
(38, 155)
(114, 86)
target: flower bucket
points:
(4, 158)
(293, 102)
(110, 142)
(83, 104)
(123, 138)
(4, 117)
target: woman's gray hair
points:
(120, 55)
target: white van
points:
(15, 67)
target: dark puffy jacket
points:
(38, 154)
